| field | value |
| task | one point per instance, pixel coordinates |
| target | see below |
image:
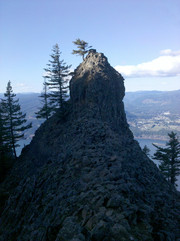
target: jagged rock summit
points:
(84, 177)
(98, 89)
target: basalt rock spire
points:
(84, 177)
(99, 89)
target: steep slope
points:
(84, 177)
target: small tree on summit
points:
(82, 46)
(169, 157)
(14, 119)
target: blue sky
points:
(141, 39)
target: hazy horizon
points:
(1, 93)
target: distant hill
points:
(151, 114)
(151, 103)
(29, 102)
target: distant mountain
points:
(150, 114)
(29, 102)
(153, 114)
(152, 102)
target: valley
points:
(150, 114)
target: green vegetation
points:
(46, 110)
(13, 120)
(57, 82)
(82, 46)
(5, 151)
(169, 157)
(146, 150)
(11, 130)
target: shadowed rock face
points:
(85, 178)
(99, 89)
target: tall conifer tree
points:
(146, 150)
(57, 73)
(14, 119)
(2, 147)
(5, 149)
(169, 158)
(4, 137)
(2, 130)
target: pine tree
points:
(146, 150)
(57, 73)
(5, 150)
(46, 110)
(2, 130)
(82, 46)
(14, 119)
(169, 158)
(2, 148)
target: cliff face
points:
(85, 178)
(98, 89)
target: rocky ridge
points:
(85, 177)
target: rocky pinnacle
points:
(84, 177)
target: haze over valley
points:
(150, 114)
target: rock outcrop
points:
(84, 177)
